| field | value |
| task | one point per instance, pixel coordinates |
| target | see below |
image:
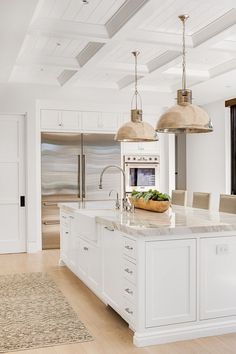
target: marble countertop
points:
(177, 220)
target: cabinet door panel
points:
(111, 267)
(170, 282)
(70, 120)
(218, 277)
(94, 269)
(90, 121)
(50, 119)
(109, 121)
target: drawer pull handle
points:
(127, 270)
(86, 248)
(129, 311)
(129, 248)
(109, 228)
(129, 291)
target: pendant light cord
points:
(184, 59)
(136, 95)
(184, 18)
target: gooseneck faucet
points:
(125, 203)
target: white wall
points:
(208, 156)
(17, 98)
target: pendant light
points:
(136, 129)
(184, 117)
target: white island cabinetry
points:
(168, 285)
(79, 249)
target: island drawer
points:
(129, 247)
(129, 271)
(129, 290)
(129, 310)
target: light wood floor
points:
(112, 336)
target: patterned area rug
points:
(34, 313)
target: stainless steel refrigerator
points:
(71, 164)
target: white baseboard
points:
(183, 333)
(33, 247)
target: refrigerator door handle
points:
(78, 177)
(83, 176)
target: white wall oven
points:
(142, 172)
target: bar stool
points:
(227, 203)
(179, 197)
(201, 200)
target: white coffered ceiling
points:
(72, 44)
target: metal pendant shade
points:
(184, 117)
(136, 129)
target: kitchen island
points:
(171, 276)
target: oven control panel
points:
(142, 158)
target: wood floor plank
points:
(111, 333)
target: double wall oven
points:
(142, 172)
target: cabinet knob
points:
(127, 309)
(129, 248)
(86, 248)
(129, 291)
(127, 270)
(109, 228)
(67, 232)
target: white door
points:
(12, 184)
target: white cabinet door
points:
(12, 184)
(98, 121)
(70, 120)
(217, 277)
(94, 267)
(50, 119)
(170, 282)
(88, 263)
(112, 267)
(91, 121)
(55, 120)
(110, 121)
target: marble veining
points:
(177, 220)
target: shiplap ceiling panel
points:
(53, 46)
(123, 53)
(94, 42)
(96, 12)
(201, 13)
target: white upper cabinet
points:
(54, 120)
(100, 121)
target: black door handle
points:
(22, 200)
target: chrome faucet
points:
(126, 205)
